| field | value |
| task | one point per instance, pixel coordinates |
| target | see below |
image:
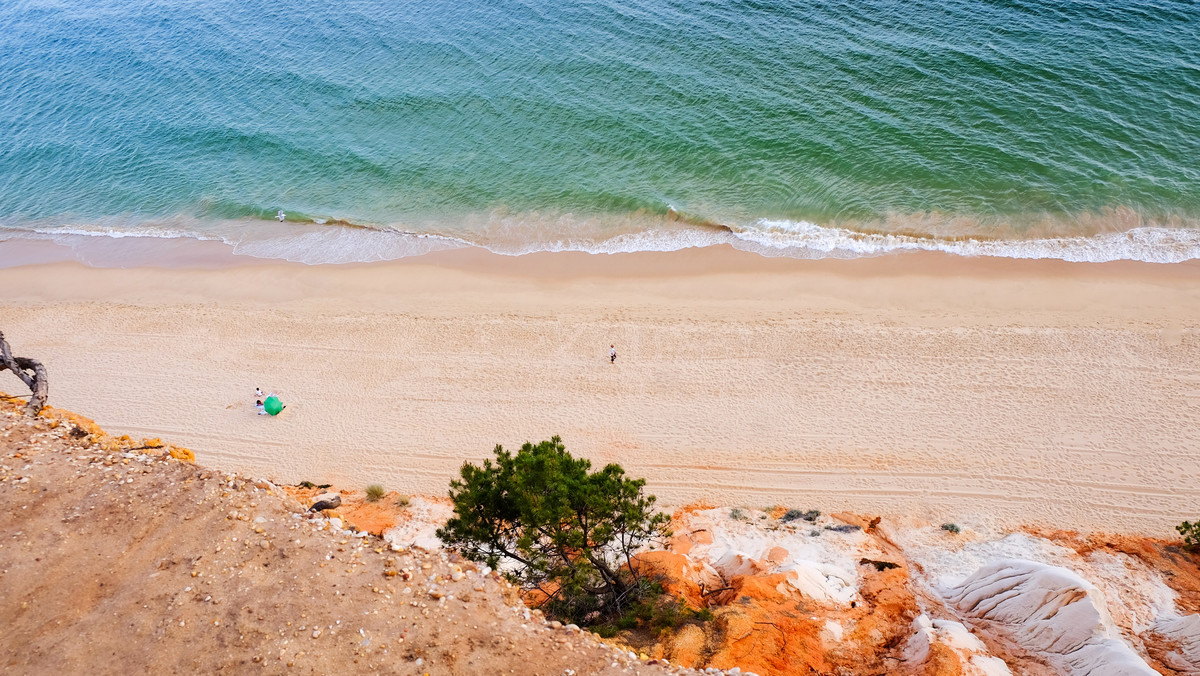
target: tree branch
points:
(31, 372)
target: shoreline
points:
(990, 391)
(235, 243)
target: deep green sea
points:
(387, 128)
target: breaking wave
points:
(126, 243)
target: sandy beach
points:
(998, 392)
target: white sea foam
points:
(161, 243)
(650, 240)
(326, 245)
(313, 243)
(808, 240)
(802, 239)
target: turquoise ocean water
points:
(385, 129)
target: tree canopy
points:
(550, 524)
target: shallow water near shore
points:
(386, 130)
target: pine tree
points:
(552, 525)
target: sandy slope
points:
(966, 390)
(117, 563)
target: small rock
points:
(326, 501)
(316, 633)
(259, 519)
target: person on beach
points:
(612, 354)
(259, 405)
(258, 393)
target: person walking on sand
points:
(612, 354)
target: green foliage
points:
(375, 493)
(737, 514)
(950, 528)
(401, 500)
(653, 613)
(844, 528)
(558, 527)
(1191, 534)
(606, 630)
(793, 514)
(309, 484)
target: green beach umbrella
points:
(272, 405)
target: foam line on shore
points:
(339, 243)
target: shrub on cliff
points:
(1191, 534)
(556, 528)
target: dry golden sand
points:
(1008, 392)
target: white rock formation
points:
(972, 653)
(823, 564)
(1185, 632)
(1051, 612)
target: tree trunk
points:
(31, 372)
(612, 580)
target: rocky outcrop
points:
(1180, 647)
(784, 599)
(857, 595)
(944, 647)
(1051, 612)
